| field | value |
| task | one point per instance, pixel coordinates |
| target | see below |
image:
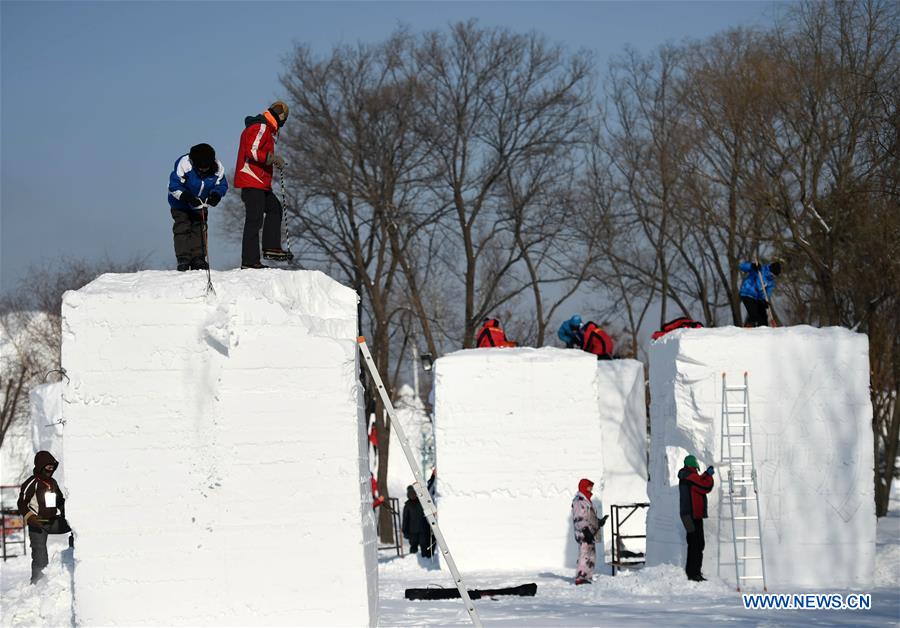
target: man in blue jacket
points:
(757, 289)
(197, 182)
(570, 332)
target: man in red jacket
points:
(253, 174)
(692, 489)
(492, 335)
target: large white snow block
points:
(812, 441)
(621, 390)
(48, 423)
(215, 451)
(515, 431)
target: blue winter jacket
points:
(570, 331)
(751, 286)
(185, 178)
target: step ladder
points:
(419, 485)
(742, 491)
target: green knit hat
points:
(691, 461)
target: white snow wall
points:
(215, 451)
(622, 403)
(812, 441)
(515, 431)
(48, 423)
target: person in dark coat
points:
(756, 291)
(43, 505)
(416, 528)
(693, 488)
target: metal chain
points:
(284, 208)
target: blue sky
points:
(98, 99)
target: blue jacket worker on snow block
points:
(197, 182)
(753, 296)
(570, 332)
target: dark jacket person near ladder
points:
(692, 489)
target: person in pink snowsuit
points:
(587, 527)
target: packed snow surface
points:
(621, 396)
(48, 423)
(812, 443)
(515, 431)
(215, 453)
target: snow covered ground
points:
(658, 595)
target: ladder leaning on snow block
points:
(420, 486)
(743, 507)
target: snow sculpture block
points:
(215, 451)
(623, 421)
(515, 429)
(812, 442)
(48, 423)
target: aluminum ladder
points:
(743, 489)
(420, 485)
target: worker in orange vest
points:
(492, 335)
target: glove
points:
(273, 159)
(710, 470)
(214, 198)
(588, 536)
(191, 200)
(755, 267)
(35, 523)
(603, 520)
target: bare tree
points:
(31, 324)
(501, 112)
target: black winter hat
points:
(203, 156)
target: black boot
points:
(278, 255)
(183, 266)
(199, 263)
(255, 265)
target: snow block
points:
(515, 431)
(812, 442)
(48, 423)
(215, 451)
(621, 390)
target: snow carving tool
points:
(439, 593)
(286, 255)
(204, 214)
(419, 485)
(743, 505)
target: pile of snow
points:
(215, 452)
(812, 441)
(622, 405)
(515, 431)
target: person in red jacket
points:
(492, 335)
(597, 341)
(253, 174)
(692, 489)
